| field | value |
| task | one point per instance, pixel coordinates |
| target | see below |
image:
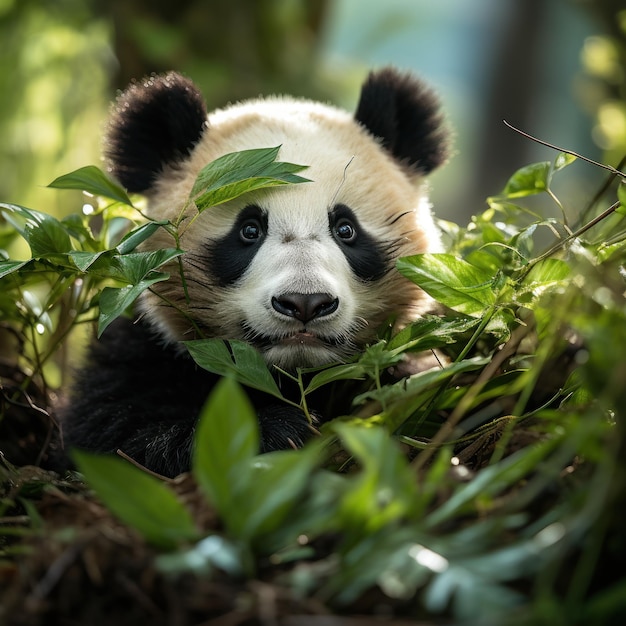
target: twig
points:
(575, 154)
(563, 242)
(143, 468)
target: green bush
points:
(486, 489)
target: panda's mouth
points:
(299, 338)
(302, 338)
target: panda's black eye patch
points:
(231, 255)
(364, 253)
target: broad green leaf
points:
(234, 358)
(241, 172)
(547, 272)
(227, 438)
(278, 483)
(115, 301)
(138, 235)
(543, 276)
(92, 180)
(228, 168)
(229, 192)
(45, 235)
(84, 260)
(348, 371)
(8, 267)
(136, 266)
(138, 499)
(528, 180)
(431, 332)
(406, 389)
(451, 281)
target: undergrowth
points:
(487, 490)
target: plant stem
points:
(563, 242)
(575, 154)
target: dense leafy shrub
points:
(487, 489)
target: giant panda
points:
(305, 273)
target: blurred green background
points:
(554, 68)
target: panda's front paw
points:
(284, 427)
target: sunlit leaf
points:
(92, 180)
(528, 180)
(451, 281)
(237, 173)
(563, 160)
(431, 332)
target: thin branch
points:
(575, 154)
(563, 242)
(143, 468)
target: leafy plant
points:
(506, 485)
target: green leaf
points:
(548, 272)
(134, 267)
(528, 180)
(405, 390)
(138, 235)
(8, 267)
(138, 499)
(348, 371)
(115, 301)
(562, 160)
(237, 359)
(278, 483)
(92, 180)
(385, 490)
(237, 173)
(84, 260)
(451, 281)
(431, 332)
(45, 235)
(227, 438)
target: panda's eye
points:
(345, 230)
(250, 231)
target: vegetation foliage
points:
(486, 490)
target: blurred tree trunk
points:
(513, 82)
(232, 48)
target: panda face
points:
(305, 273)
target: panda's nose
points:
(305, 306)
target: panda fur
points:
(305, 273)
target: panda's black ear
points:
(155, 122)
(405, 115)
